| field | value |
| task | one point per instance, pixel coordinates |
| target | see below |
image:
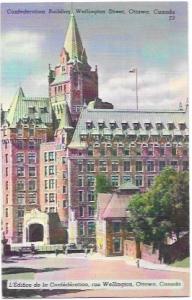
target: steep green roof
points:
(29, 107)
(128, 186)
(65, 120)
(73, 44)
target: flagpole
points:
(137, 102)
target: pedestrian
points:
(20, 252)
(64, 249)
(56, 251)
(32, 249)
(86, 250)
(138, 263)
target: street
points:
(80, 267)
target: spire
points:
(65, 121)
(18, 96)
(73, 44)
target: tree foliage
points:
(103, 184)
(163, 209)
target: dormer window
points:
(89, 124)
(20, 131)
(112, 124)
(148, 125)
(101, 124)
(159, 126)
(124, 125)
(170, 125)
(182, 126)
(43, 110)
(31, 110)
(136, 125)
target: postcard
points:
(95, 149)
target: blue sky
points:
(114, 42)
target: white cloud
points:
(21, 44)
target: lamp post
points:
(136, 85)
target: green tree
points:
(103, 184)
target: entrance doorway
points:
(36, 233)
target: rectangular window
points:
(150, 166)
(20, 213)
(6, 158)
(90, 181)
(20, 172)
(115, 166)
(174, 151)
(51, 197)
(46, 198)
(138, 180)
(31, 145)
(32, 198)
(117, 245)
(90, 151)
(81, 211)
(114, 151)
(51, 170)
(138, 151)
(6, 213)
(115, 180)
(19, 228)
(52, 210)
(31, 131)
(32, 185)
(139, 166)
(102, 151)
(80, 196)
(6, 228)
(64, 189)
(51, 183)
(51, 156)
(7, 198)
(150, 180)
(102, 166)
(81, 229)
(80, 181)
(20, 199)
(20, 185)
(91, 196)
(20, 157)
(32, 158)
(45, 156)
(46, 184)
(126, 166)
(80, 167)
(6, 171)
(90, 166)
(174, 164)
(64, 203)
(20, 144)
(6, 185)
(185, 166)
(91, 228)
(150, 150)
(91, 211)
(161, 165)
(162, 151)
(126, 151)
(64, 175)
(116, 227)
(32, 171)
(127, 178)
(46, 170)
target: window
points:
(51, 156)
(161, 165)
(90, 166)
(51, 183)
(51, 197)
(138, 180)
(20, 185)
(102, 166)
(174, 152)
(80, 196)
(116, 227)
(31, 145)
(20, 157)
(127, 178)
(90, 151)
(91, 211)
(6, 171)
(117, 245)
(19, 228)
(162, 151)
(64, 189)
(80, 167)
(126, 166)
(102, 151)
(19, 131)
(91, 228)
(139, 166)
(6, 228)
(20, 171)
(45, 156)
(115, 166)
(115, 180)
(6, 213)
(64, 175)
(185, 165)
(64, 203)
(20, 213)
(6, 158)
(114, 151)
(32, 185)
(90, 180)
(52, 210)
(31, 110)
(126, 151)
(32, 198)
(80, 181)
(46, 197)
(46, 171)
(51, 170)
(174, 164)
(150, 150)
(63, 160)
(46, 184)
(81, 229)
(7, 198)
(21, 199)
(31, 131)
(32, 158)
(81, 212)
(90, 196)
(150, 180)
(150, 166)
(20, 144)
(6, 185)
(138, 151)
(32, 171)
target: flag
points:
(132, 71)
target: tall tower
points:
(72, 80)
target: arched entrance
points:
(36, 233)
